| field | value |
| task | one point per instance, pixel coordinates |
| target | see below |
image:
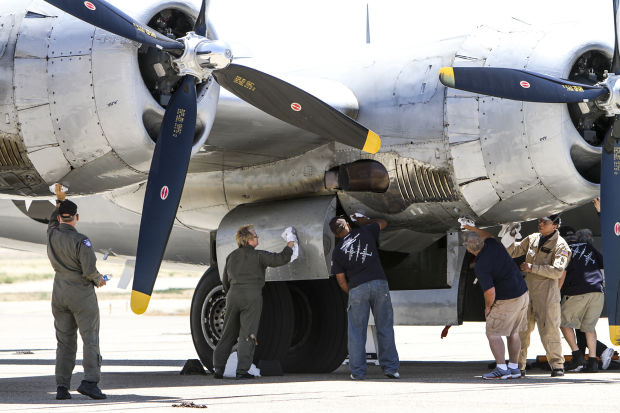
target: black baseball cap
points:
(337, 224)
(67, 209)
(554, 218)
(567, 231)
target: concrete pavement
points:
(143, 356)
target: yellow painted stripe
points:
(614, 335)
(373, 143)
(139, 301)
(446, 76)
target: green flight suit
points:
(74, 302)
(548, 263)
(243, 280)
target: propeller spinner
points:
(196, 57)
(528, 86)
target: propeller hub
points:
(611, 105)
(202, 56)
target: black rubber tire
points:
(276, 323)
(206, 335)
(207, 319)
(319, 343)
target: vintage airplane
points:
(131, 108)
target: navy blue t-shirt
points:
(357, 257)
(583, 273)
(496, 268)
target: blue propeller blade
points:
(610, 227)
(518, 84)
(164, 189)
(101, 14)
(200, 27)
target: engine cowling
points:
(90, 103)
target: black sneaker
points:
(62, 393)
(217, 374)
(523, 373)
(90, 389)
(241, 376)
(577, 363)
(591, 365)
(557, 372)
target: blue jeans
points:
(374, 294)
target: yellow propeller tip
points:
(139, 301)
(446, 76)
(373, 143)
(614, 335)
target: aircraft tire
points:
(207, 319)
(319, 343)
(208, 304)
(276, 323)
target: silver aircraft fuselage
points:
(78, 108)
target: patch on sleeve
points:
(86, 242)
(564, 253)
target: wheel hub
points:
(212, 320)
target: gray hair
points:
(584, 235)
(472, 241)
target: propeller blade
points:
(200, 27)
(518, 85)
(163, 190)
(105, 16)
(295, 106)
(610, 226)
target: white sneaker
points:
(606, 356)
(394, 375)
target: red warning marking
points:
(296, 106)
(617, 229)
(89, 5)
(524, 84)
(164, 192)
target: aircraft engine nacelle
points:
(508, 155)
(86, 105)
(451, 153)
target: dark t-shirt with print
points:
(357, 257)
(496, 268)
(583, 273)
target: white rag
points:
(231, 367)
(290, 234)
(357, 215)
(509, 233)
(53, 188)
(466, 221)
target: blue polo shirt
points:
(496, 268)
(356, 256)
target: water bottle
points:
(106, 277)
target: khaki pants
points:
(544, 310)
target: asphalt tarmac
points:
(143, 356)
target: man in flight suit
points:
(243, 281)
(74, 302)
(546, 257)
